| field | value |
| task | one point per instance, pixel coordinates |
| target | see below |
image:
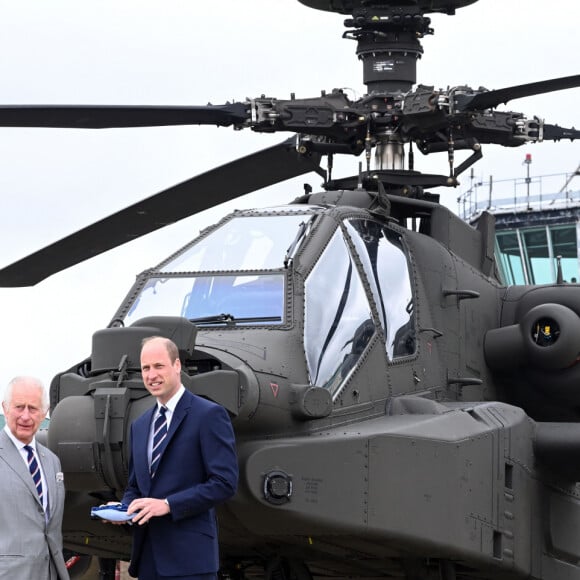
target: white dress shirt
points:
(170, 406)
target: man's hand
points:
(109, 521)
(147, 508)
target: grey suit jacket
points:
(29, 545)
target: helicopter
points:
(399, 412)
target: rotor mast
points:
(388, 34)
(388, 44)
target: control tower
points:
(537, 221)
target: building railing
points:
(519, 194)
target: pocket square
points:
(59, 476)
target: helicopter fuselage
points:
(349, 344)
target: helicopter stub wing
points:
(224, 183)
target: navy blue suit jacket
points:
(198, 469)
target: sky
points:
(172, 52)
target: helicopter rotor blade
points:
(242, 176)
(555, 133)
(108, 117)
(491, 99)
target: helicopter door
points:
(338, 324)
(386, 268)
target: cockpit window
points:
(248, 299)
(242, 243)
(385, 264)
(338, 323)
(238, 270)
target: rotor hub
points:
(351, 6)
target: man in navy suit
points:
(183, 463)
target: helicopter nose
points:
(107, 408)
(107, 400)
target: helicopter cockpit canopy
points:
(254, 268)
(237, 269)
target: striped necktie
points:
(159, 434)
(34, 470)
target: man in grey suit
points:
(32, 488)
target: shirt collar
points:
(17, 442)
(172, 403)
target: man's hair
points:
(45, 401)
(170, 346)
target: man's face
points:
(24, 413)
(161, 376)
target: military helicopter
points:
(399, 412)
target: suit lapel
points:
(11, 456)
(181, 411)
(179, 414)
(141, 430)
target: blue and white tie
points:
(34, 470)
(159, 434)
